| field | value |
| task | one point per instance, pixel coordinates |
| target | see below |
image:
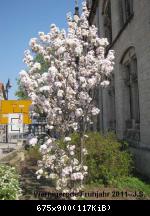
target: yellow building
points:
(14, 107)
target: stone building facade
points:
(125, 104)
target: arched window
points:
(131, 94)
(127, 9)
(107, 20)
(112, 106)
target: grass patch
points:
(134, 183)
(133, 186)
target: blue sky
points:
(21, 20)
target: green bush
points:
(107, 159)
(9, 183)
(33, 154)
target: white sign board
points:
(15, 123)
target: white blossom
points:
(43, 147)
(79, 112)
(95, 111)
(44, 88)
(40, 172)
(85, 168)
(75, 162)
(67, 139)
(60, 93)
(51, 127)
(84, 151)
(33, 141)
(72, 153)
(38, 177)
(58, 84)
(53, 176)
(75, 126)
(77, 176)
(63, 93)
(105, 83)
(71, 147)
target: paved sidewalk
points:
(7, 148)
(8, 145)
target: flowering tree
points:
(21, 93)
(65, 94)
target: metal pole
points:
(8, 86)
(6, 124)
(76, 3)
(76, 8)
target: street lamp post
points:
(7, 87)
(76, 8)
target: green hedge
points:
(9, 183)
(107, 159)
(33, 153)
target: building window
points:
(127, 10)
(107, 21)
(112, 106)
(132, 84)
(89, 4)
(131, 96)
